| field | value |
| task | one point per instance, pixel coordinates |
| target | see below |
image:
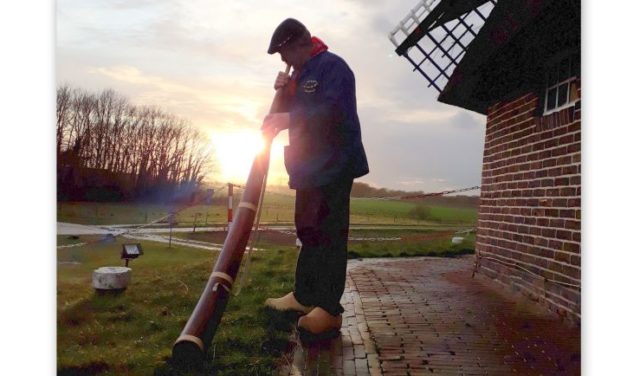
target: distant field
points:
(400, 212)
(276, 209)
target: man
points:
(325, 154)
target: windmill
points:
(435, 35)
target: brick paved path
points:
(427, 315)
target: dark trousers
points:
(321, 216)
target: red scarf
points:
(318, 48)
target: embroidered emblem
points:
(310, 86)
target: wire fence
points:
(172, 214)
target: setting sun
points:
(235, 153)
(236, 150)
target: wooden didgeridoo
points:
(190, 348)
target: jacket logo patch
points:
(310, 86)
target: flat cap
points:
(288, 30)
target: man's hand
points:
(275, 123)
(281, 80)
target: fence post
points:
(230, 207)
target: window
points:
(561, 83)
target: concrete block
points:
(111, 278)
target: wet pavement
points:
(422, 316)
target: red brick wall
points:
(529, 227)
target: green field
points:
(370, 211)
(277, 208)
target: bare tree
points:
(106, 133)
(63, 111)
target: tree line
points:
(110, 149)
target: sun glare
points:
(235, 153)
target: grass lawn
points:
(133, 333)
(410, 243)
(370, 243)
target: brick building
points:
(521, 68)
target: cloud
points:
(135, 76)
(213, 101)
(435, 155)
(464, 120)
(415, 182)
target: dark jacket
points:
(325, 135)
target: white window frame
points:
(569, 101)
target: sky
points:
(206, 61)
